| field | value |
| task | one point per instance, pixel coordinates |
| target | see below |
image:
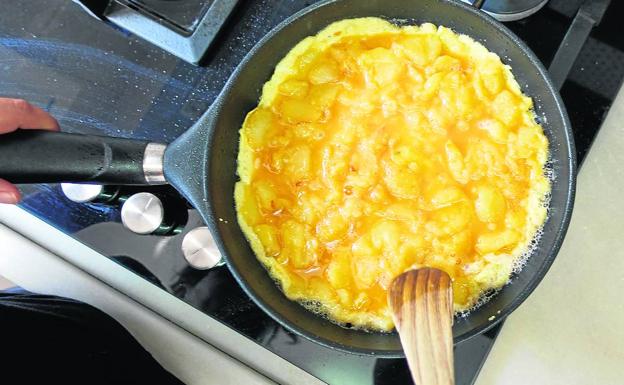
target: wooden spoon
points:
(422, 308)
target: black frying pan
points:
(201, 163)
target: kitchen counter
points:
(569, 331)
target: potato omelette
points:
(378, 148)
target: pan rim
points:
(536, 277)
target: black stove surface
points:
(96, 78)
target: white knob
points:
(143, 213)
(200, 249)
(83, 193)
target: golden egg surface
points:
(376, 149)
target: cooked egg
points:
(376, 149)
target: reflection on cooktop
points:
(185, 14)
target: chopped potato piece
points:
(492, 76)
(444, 64)
(421, 50)
(495, 129)
(490, 204)
(432, 85)
(380, 66)
(447, 196)
(385, 235)
(324, 95)
(505, 108)
(491, 242)
(295, 88)
(266, 195)
(455, 162)
(451, 219)
(327, 72)
(339, 270)
(297, 111)
(332, 227)
(367, 271)
(268, 237)
(402, 182)
(294, 239)
(298, 162)
(451, 44)
(259, 127)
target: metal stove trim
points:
(189, 48)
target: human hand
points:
(19, 114)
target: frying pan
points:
(201, 163)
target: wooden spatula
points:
(421, 302)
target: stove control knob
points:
(200, 249)
(90, 193)
(144, 213)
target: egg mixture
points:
(376, 149)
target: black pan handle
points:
(187, 162)
(37, 156)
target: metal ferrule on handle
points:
(153, 160)
(36, 156)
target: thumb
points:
(8, 192)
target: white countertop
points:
(569, 331)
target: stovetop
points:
(96, 77)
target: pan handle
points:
(186, 162)
(37, 156)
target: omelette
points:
(378, 148)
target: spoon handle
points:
(421, 302)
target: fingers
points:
(18, 113)
(14, 114)
(8, 192)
